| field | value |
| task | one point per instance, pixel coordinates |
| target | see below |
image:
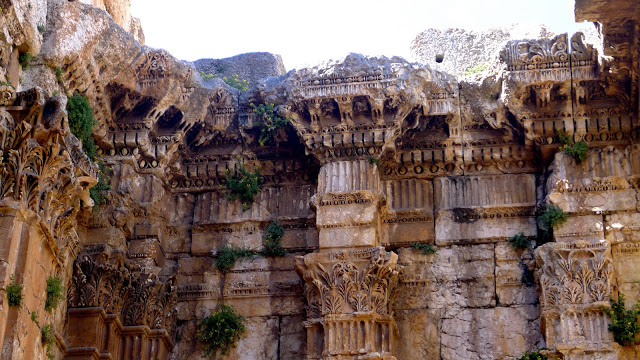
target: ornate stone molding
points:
(575, 283)
(103, 278)
(43, 173)
(350, 298)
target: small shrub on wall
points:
(243, 186)
(81, 123)
(55, 293)
(520, 241)
(424, 248)
(624, 323)
(577, 150)
(14, 292)
(272, 240)
(220, 331)
(227, 257)
(536, 355)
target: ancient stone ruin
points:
(366, 208)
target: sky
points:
(307, 32)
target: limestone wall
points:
(380, 159)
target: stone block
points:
(419, 334)
(580, 227)
(623, 228)
(494, 333)
(596, 201)
(460, 276)
(109, 236)
(293, 337)
(207, 239)
(148, 248)
(514, 276)
(482, 225)
(348, 237)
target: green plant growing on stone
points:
(98, 191)
(25, 60)
(475, 69)
(536, 355)
(14, 292)
(424, 248)
(242, 186)
(207, 77)
(55, 293)
(81, 123)
(58, 72)
(375, 161)
(553, 216)
(7, 83)
(624, 323)
(48, 339)
(227, 257)
(520, 241)
(235, 81)
(577, 150)
(270, 123)
(221, 330)
(41, 29)
(272, 240)
(34, 318)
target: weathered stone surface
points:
(515, 284)
(419, 334)
(459, 276)
(490, 333)
(462, 49)
(378, 159)
(253, 67)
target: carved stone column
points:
(349, 303)
(117, 311)
(350, 282)
(575, 285)
(347, 204)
